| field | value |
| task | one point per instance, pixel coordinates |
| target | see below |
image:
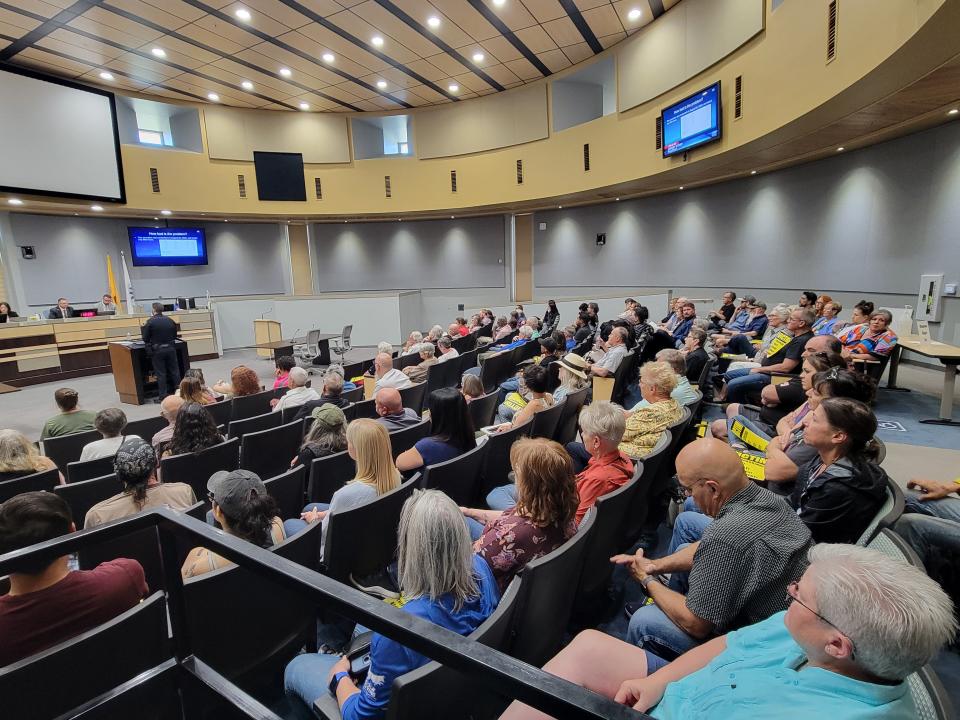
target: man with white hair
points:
(607, 364)
(446, 348)
(297, 393)
(418, 373)
(387, 375)
(413, 340)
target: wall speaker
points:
(601, 239)
(28, 252)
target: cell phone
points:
(359, 666)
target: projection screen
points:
(58, 138)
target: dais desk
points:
(949, 355)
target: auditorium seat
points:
(440, 375)
(459, 477)
(495, 369)
(414, 397)
(65, 449)
(245, 406)
(887, 515)
(256, 423)
(355, 395)
(403, 440)
(464, 344)
(45, 480)
(147, 427)
(269, 452)
(83, 495)
(570, 418)
(89, 469)
(468, 360)
(497, 464)
(483, 409)
(329, 474)
(220, 411)
(545, 423)
(142, 546)
(195, 469)
(287, 490)
(362, 409)
(637, 514)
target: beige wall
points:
(523, 259)
(300, 260)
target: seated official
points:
(862, 342)
(646, 424)
(71, 418)
(297, 393)
(535, 382)
(387, 376)
(839, 492)
(695, 354)
(191, 390)
(135, 465)
(609, 354)
(169, 409)
(244, 509)
(48, 603)
(106, 305)
(391, 413)
(193, 431)
(19, 457)
(442, 581)
(61, 311)
(243, 381)
(6, 312)
(540, 518)
(284, 363)
(733, 575)
(109, 422)
(418, 373)
(446, 349)
(573, 376)
(830, 654)
(332, 394)
(828, 323)
(451, 432)
(327, 436)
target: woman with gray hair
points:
(859, 624)
(442, 581)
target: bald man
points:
(736, 574)
(392, 414)
(387, 376)
(169, 407)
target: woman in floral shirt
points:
(543, 517)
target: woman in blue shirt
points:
(451, 432)
(442, 581)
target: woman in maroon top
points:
(543, 517)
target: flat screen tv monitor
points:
(168, 246)
(692, 122)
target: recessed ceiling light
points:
(478, 57)
(559, 207)
(753, 172)
(158, 52)
(453, 87)
(953, 111)
(841, 149)
(225, 220)
(328, 57)
(304, 106)
(156, 218)
(214, 97)
(617, 199)
(246, 85)
(15, 201)
(96, 208)
(165, 212)
(382, 84)
(106, 76)
(377, 41)
(285, 72)
(433, 21)
(242, 13)
(634, 14)
(681, 187)
(499, 3)
(453, 217)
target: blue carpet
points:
(899, 415)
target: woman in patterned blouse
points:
(543, 517)
(646, 425)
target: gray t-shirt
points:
(349, 496)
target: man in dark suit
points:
(159, 333)
(62, 311)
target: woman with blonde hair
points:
(191, 390)
(19, 457)
(646, 425)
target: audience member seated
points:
(821, 303)
(71, 418)
(387, 376)
(828, 322)
(197, 373)
(442, 581)
(931, 525)
(446, 348)
(451, 432)
(418, 373)
(243, 381)
(646, 424)
(839, 492)
(676, 315)
(695, 355)
(348, 385)
(551, 317)
(169, 409)
(436, 332)
(458, 328)
(48, 603)
(19, 457)
(327, 435)
(683, 393)
(191, 390)
(740, 344)
(861, 313)
(502, 328)
(525, 334)
(741, 317)
(470, 387)
(830, 652)
(782, 358)
(194, 431)
(332, 395)
(722, 315)
(298, 392)
(688, 313)
(413, 341)
(474, 324)
(608, 354)
(573, 376)
(725, 573)
(807, 299)
(863, 342)
(392, 414)
(135, 465)
(606, 467)
(583, 328)
(244, 509)
(6, 312)
(535, 383)
(284, 363)
(540, 517)
(109, 422)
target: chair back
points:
(65, 449)
(637, 513)
(287, 414)
(887, 515)
(496, 369)
(83, 495)
(469, 360)
(354, 396)
(407, 360)
(403, 440)
(497, 464)
(624, 372)
(363, 540)
(930, 697)
(362, 409)
(195, 469)
(142, 546)
(694, 407)
(440, 375)
(483, 409)
(416, 395)
(530, 349)
(269, 452)
(464, 344)
(345, 337)
(147, 427)
(287, 490)
(256, 423)
(705, 373)
(89, 469)
(44, 480)
(87, 665)
(329, 474)
(546, 597)
(545, 422)
(355, 369)
(219, 411)
(485, 331)
(459, 477)
(247, 406)
(570, 418)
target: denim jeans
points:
(506, 387)
(930, 525)
(502, 498)
(741, 385)
(687, 528)
(294, 525)
(947, 508)
(475, 528)
(305, 677)
(741, 345)
(579, 454)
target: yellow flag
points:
(112, 282)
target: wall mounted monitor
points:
(167, 246)
(692, 122)
(58, 138)
(279, 176)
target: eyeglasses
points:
(687, 491)
(793, 595)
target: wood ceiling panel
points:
(119, 82)
(562, 31)
(143, 67)
(234, 73)
(39, 7)
(447, 64)
(514, 15)
(177, 48)
(426, 69)
(555, 60)
(38, 58)
(323, 8)
(395, 79)
(316, 40)
(148, 12)
(14, 19)
(211, 39)
(271, 59)
(202, 87)
(537, 39)
(356, 90)
(608, 40)
(272, 9)
(501, 49)
(578, 53)
(523, 69)
(381, 18)
(589, 4)
(449, 31)
(469, 20)
(623, 8)
(178, 8)
(260, 21)
(229, 31)
(544, 10)
(471, 82)
(365, 32)
(70, 42)
(603, 21)
(502, 74)
(112, 26)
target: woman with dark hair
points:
(551, 318)
(535, 380)
(861, 312)
(839, 491)
(244, 509)
(191, 390)
(451, 432)
(243, 381)
(6, 312)
(193, 431)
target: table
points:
(949, 355)
(275, 349)
(279, 348)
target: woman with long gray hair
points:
(441, 580)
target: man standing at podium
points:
(159, 334)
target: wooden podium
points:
(133, 370)
(265, 331)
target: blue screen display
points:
(168, 246)
(692, 122)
